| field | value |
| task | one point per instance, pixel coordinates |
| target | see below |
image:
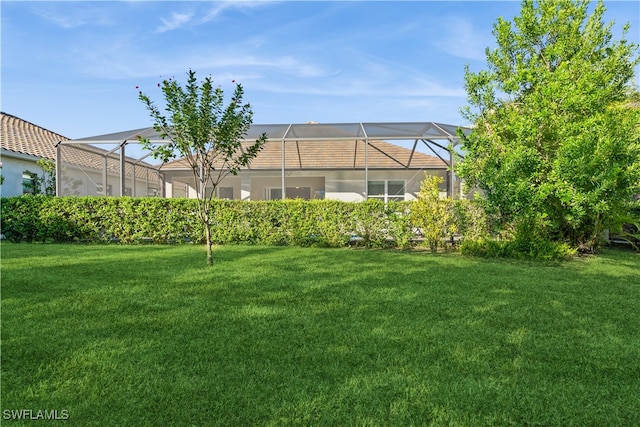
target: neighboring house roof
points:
(332, 155)
(21, 136)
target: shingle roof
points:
(333, 155)
(21, 136)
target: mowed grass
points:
(148, 336)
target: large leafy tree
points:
(556, 143)
(204, 132)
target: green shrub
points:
(334, 221)
(485, 248)
(539, 249)
(328, 223)
(400, 223)
(433, 215)
(470, 217)
(325, 223)
(627, 226)
(20, 221)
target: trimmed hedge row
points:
(327, 223)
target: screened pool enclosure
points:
(116, 165)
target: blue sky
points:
(73, 67)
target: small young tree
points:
(45, 184)
(48, 181)
(33, 183)
(554, 148)
(431, 213)
(205, 133)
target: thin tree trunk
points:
(207, 232)
(204, 216)
(209, 246)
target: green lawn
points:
(147, 335)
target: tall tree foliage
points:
(205, 133)
(556, 145)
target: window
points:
(298, 193)
(395, 191)
(386, 190)
(100, 190)
(29, 183)
(376, 190)
(225, 193)
(274, 194)
(292, 193)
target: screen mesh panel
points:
(88, 170)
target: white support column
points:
(282, 164)
(245, 187)
(133, 178)
(59, 168)
(282, 184)
(122, 169)
(451, 187)
(366, 162)
(105, 175)
(167, 187)
(366, 169)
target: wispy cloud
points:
(463, 40)
(126, 63)
(215, 11)
(362, 85)
(372, 76)
(176, 20)
(359, 87)
(179, 20)
(79, 15)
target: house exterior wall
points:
(74, 181)
(345, 185)
(13, 166)
(350, 186)
(94, 171)
(89, 182)
(262, 182)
